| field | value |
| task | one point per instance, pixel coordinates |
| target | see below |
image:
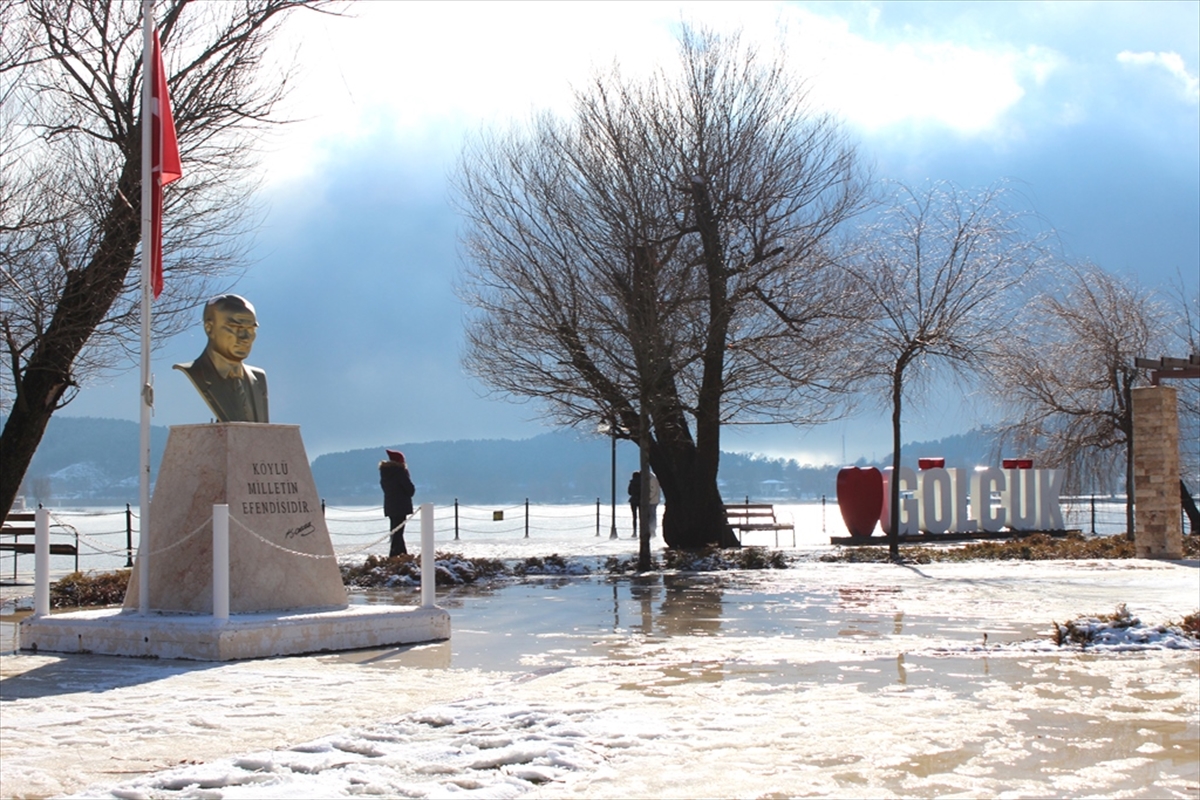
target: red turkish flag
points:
(164, 160)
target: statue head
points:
(231, 325)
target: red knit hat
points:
(396, 455)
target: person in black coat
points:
(635, 497)
(398, 491)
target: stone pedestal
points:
(1158, 529)
(280, 556)
(285, 589)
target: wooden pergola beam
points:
(1167, 368)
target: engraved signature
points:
(303, 530)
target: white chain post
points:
(220, 562)
(427, 563)
(41, 563)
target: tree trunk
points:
(1126, 422)
(644, 490)
(22, 433)
(694, 516)
(87, 297)
(894, 485)
(1189, 507)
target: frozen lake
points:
(521, 531)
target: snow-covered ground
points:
(844, 680)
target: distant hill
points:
(565, 467)
(89, 461)
(961, 450)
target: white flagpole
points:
(147, 391)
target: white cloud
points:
(1172, 63)
(416, 67)
(413, 67)
(875, 83)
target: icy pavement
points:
(836, 680)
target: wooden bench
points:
(21, 523)
(749, 516)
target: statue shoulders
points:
(201, 367)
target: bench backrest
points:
(19, 522)
(750, 510)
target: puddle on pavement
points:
(549, 623)
(556, 622)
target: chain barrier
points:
(206, 524)
(60, 524)
(1093, 514)
(357, 521)
(355, 533)
(268, 542)
(463, 518)
(364, 548)
(463, 529)
(386, 537)
(355, 510)
(99, 548)
(1087, 512)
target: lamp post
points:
(611, 430)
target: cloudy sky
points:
(1090, 109)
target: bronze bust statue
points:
(235, 391)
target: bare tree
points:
(940, 268)
(70, 195)
(663, 261)
(1183, 302)
(1066, 373)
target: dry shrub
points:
(80, 589)
(378, 571)
(758, 558)
(1083, 631)
(553, 564)
(1036, 547)
(879, 555)
(1191, 546)
(450, 569)
(714, 559)
(1041, 547)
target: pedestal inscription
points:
(280, 554)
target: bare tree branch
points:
(1066, 371)
(668, 249)
(70, 187)
(940, 272)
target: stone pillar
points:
(1158, 530)
(280, 555)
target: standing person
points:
(398, 491)
(635, 498)
(652, 510)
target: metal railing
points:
(105, 538)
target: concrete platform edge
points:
(242, 636)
